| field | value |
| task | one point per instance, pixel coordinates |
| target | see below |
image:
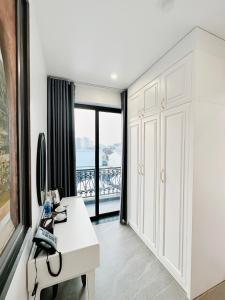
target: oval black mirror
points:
(41, 169)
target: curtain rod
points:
(97, 86)
(86, 83)
(61, 78)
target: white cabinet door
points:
(173, 194)
(150, 189)
(151, 97)
(134, 183)
(136, 106)
(176, 84)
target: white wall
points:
(94, 95)
(38, 123)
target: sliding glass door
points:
(98, 158)
(110, 150)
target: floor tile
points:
(128, 271)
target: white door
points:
(173, 198)
(150, 172)
(134, 182)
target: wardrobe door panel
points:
(134, 180)
(150, 158)
(151, 97)
(176, 83)
(173, 174)
(135, 106)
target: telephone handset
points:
(48, 242)
(45, 240)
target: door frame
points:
(98, 109)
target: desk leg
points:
(55, 290)
(37, 297)
(91, 285)
(83, 279)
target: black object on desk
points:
(48, 224)
(57, 213)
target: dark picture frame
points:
(19, 117)
(41, 169)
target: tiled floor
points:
(128, 271)
(104, 206)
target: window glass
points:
(85, 157)
(110, 159)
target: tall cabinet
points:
(176, 157)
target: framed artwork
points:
(14, 133)
(8, 122)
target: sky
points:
(109, 126)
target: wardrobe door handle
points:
(142, 169)
(139, 115)
(139, 169)
(162, 176)
(163, 104)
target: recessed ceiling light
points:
(114, 76)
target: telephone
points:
(48, 242)
(45, 240)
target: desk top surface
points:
(77, 232)
(76, 240)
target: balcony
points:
(109, 188)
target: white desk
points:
(80, 250)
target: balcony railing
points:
(109, 181)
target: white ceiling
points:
(87, 40)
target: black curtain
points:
(123, 209)
(61, 137)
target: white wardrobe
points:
(176, 164)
